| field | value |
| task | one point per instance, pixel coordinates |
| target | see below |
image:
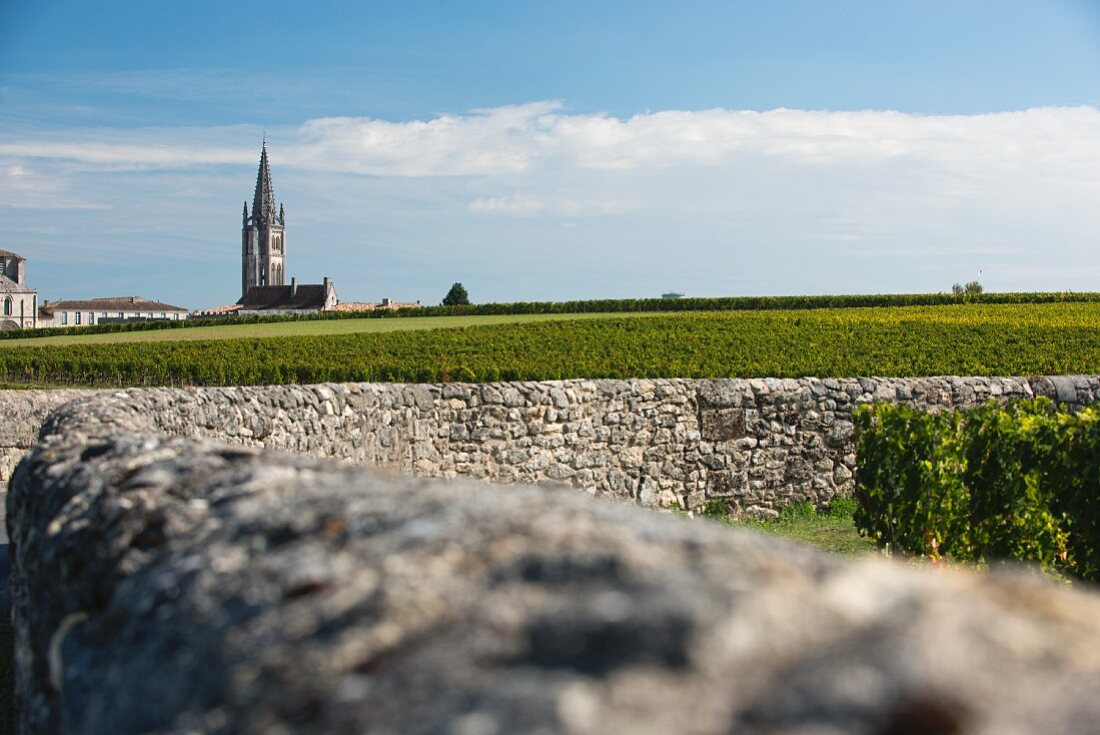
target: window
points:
(91, 317)
(64, 318)
(122, 315)
(7, 306)
(77, 317)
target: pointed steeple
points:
(263, 202)
(263, 234)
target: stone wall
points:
(756, 444)
(173, 585)
(21, 414)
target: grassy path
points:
(833, 531)
(307, 328)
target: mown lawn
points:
(303, 328)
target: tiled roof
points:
(361, 306)
(117, 303)
(9, 286)
(218, 310)
(307, 296)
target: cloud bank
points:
(703, 201)
(536, 136)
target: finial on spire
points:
(263, 202)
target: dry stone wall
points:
(181, 586)
(755, 444)
(21, 414)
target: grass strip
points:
(833, 531)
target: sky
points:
(554, 150)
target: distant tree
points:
(969, 289)
(457, 296)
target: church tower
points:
(263, 239)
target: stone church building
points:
(18, 301)
(263, 258)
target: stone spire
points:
(263, 234)
(263, 202)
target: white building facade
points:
(18, 301)
(79, 313)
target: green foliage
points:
(1015, 482)
(961, 339)
(592, 306)
(843, 508)
(457, 296)
(971, 289)
(716, 508)
(796, 512)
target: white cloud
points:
(537, 136)
(514, 204)
(25, 187)
(701, 201)
(562, 206)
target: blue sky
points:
(554, 150)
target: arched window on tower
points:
(7, 306)
(263, 275)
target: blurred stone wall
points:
(176, 585)
(21, 414)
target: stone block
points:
(722, 424)
(726, 483)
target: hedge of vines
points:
(976, 340)
(592, 306)
(997, 482)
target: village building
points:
(297, 298)
(263, 234)
(18, 301)
(384, 305)
(263, 260)
(117, 310)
